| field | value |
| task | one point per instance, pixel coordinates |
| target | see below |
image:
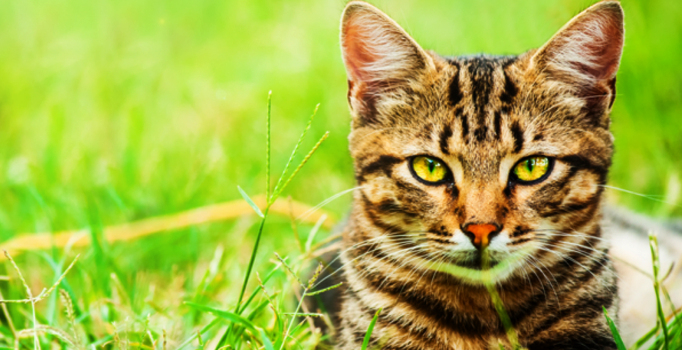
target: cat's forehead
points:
(481, 90)
(477, 117)
(481, 76)
(482, 65)
(493, 106)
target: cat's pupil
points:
(432, 165)
(530, 164)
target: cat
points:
(481, 168)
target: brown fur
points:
(480, 115)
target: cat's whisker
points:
(602, 95)
(566, 234)
(393, 267)
(647, 196)
(523, 269)
(394, 243)
(541, 267)
(527, 260)
(589, 256)
(563, 256)
(426, 270)
(422, 265)
(390, 254)
(356, 246)
(376, 240)
(358, 258)
(404, 263)
(419, 267)
(580, 235)
(442, 258)
(591, 248)
(325, 202)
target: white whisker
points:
(325, 202)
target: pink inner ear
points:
(588, 49)
(356, 52)
(604, 49)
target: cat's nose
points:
(481, 234)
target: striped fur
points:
(405, 251)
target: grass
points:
(667, 333)
(116, 112)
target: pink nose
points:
(482, 233)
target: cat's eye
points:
(429, 170)
(532, 169)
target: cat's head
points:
(456, 156)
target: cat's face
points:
(502, 155)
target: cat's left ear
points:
(585, 54)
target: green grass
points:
(667, 333)
(116, 111)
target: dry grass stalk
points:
(151, 339)
(33, 332)
(37, 329)
(70, 316)
(36, 343)
(44, 293)
(145, 227)
(290, 270)
(5, 312)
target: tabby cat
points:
(479, 168)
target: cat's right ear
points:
(380, 57)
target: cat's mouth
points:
(475, 261)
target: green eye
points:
(429, 169)
(531, 169)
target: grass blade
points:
(250, 201)
(324, 290)
(497, 302)
(293, 154)
(252, 260)
(214, 322)
(232, 317)
(264, 214)
(313, 232)
(255, 292)
(614, 331)
(305, 160)
(645, 338)
(291, 323)
(267, 146)
(267, 344)
(653, 245)
(370, 329)
(248, 301)
(303, 314)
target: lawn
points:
(113, 112)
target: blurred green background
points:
(113, 111)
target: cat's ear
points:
(379, 57)
(586, 53)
